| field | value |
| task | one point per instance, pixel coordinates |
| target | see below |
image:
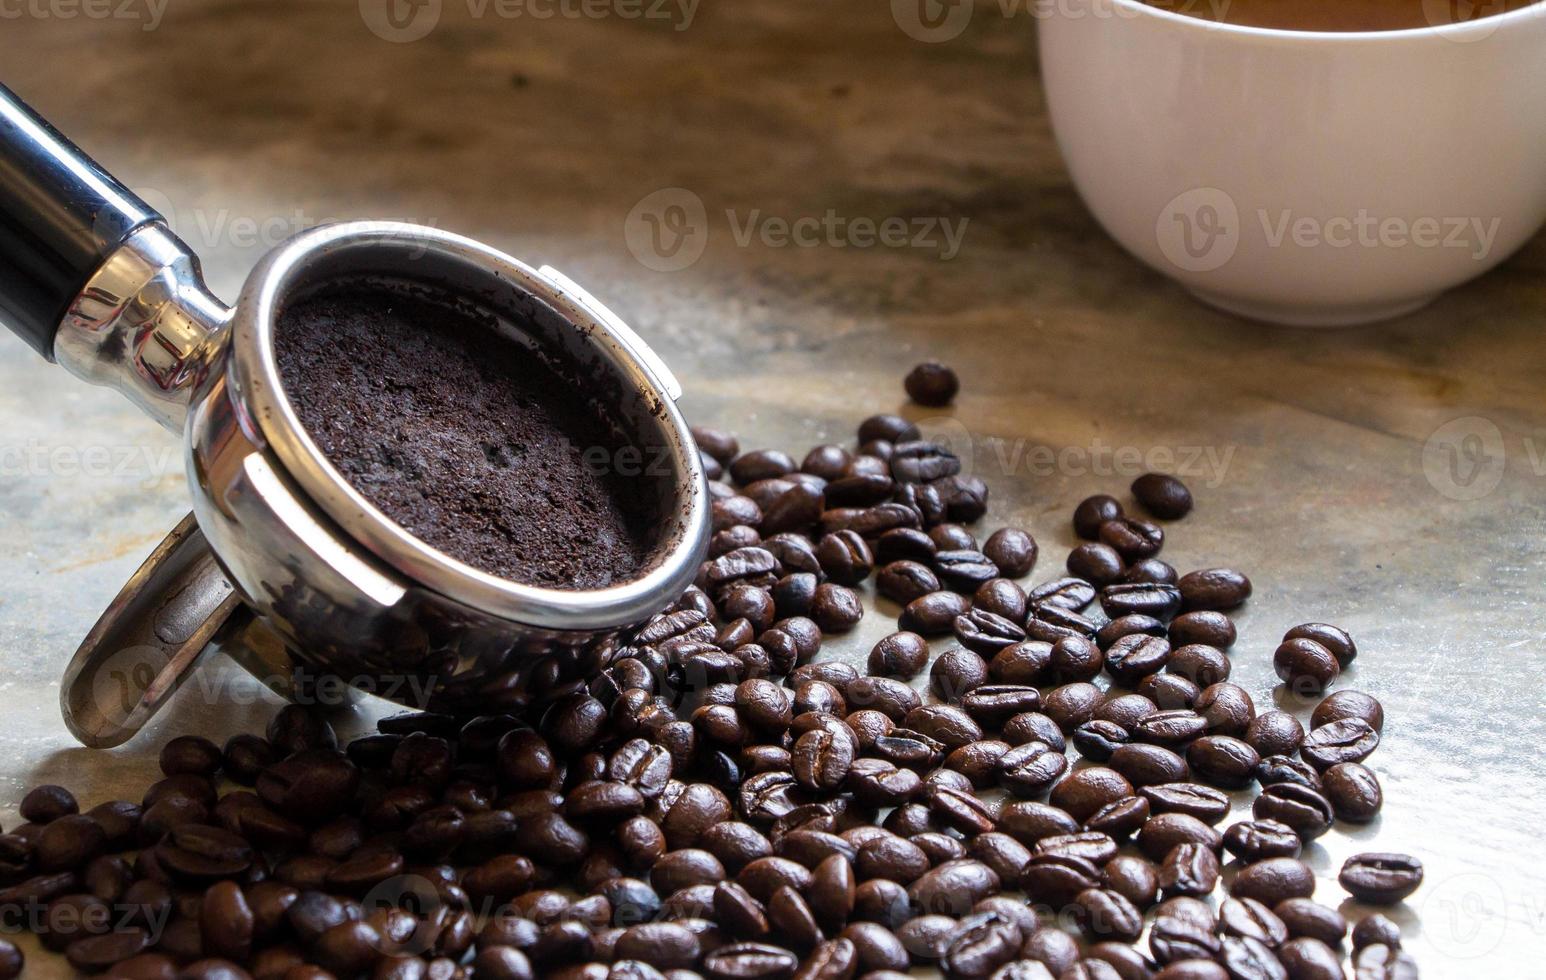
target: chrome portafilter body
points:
(283, 563)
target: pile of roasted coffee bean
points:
(715, 799)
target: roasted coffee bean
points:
(1053, 879)
(1215, 589)
(983, 942)
(1140, 598)
(93, 954)
(1085, 791)
(1250, 919)
(1175, 940)
(1024, 663)
(869, 522)
(1348, 705)
(1353, 790)
(1134, 657)
(1012, 550)
(1250, 960)
(836, 608)
(1189, 869)
(1305, 666)
(1168, 691)
(1175, 727)
(1096, 563)
(1074, 659)
(1134, 878)
(1120, 817)
(190, 755)
(952, 537)
(11, 960)
(993, 705)
(1381, 878)
(1275, 733)
(1226, 708)
(919, 461)
(1030, 769)
(760, 464)
(1381, 962)
(1271, 880)
(1067, 593)
(1310, 959)
(986, 633)
(718, 444)
(1163, 496)
(296, 728)
(1222, 760)
(68, 842)
(1148, 765)
(956, 673)
(977, 761)
(1204, 626)
(1275, 769)
(821, 758)
(1094, 511)
(876, 948)
(903, 581)
(1105, 914)
(1348, 740)
(1001, 852)
(845, 558)
(1302, 917)
(47, 803)
(1127, 626)
(952, 888)
(1132, 538)
(1201, 664)
(1376, 929)
(1093, 846)
(964, 571)
(1096, 740)
(1195, 800)
(902, 544)
(1258, 840)
(1332, 638)
(1071, 705)
(1166, 830)
(933, 614)
(1300, 807)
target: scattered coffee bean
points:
(932, 383)
(1381, 878)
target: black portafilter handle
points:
(61, 215)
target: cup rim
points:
(1484, 26)
(271, 416)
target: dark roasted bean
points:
(1275, 733)
(1376, 929)
(1205, 626)
(1163, 496)
(1216, 589)
(1348, 740)
(1140, 598)
(1094, 511)
(1195, 800)
(1305, 666)
(1096, 563)
(1381, 878)
(1353, 790)
(904, 580)
(1300, 807)
(1258, 840)
(1271, 880)
(933, 614)
(1332, 638)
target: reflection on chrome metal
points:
(143, 646)
(146, 325)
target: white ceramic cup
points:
(1316, 179)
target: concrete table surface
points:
(1391, 479)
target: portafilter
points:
(282, 562)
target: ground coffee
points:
(470, 442)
